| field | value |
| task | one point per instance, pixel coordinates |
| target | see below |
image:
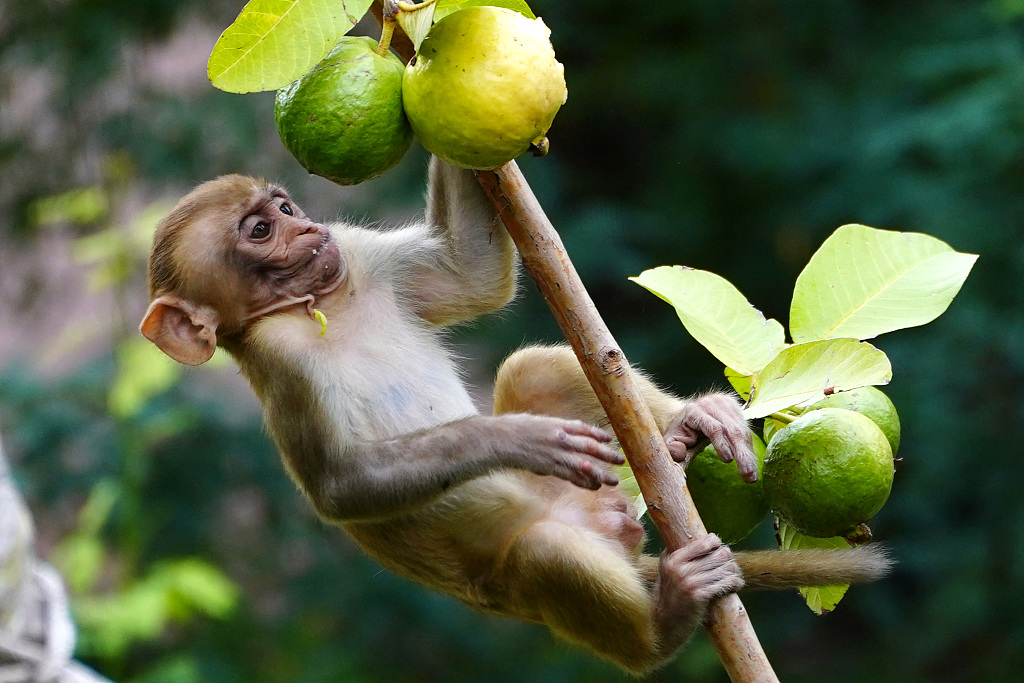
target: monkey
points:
(516, 513)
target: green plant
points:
(861, 282)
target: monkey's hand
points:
(688, 579)
(715, 419)
(567, 449)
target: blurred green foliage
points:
(728, 136)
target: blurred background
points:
(729, 136)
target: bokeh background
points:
(732, 136)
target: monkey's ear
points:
(183, 330)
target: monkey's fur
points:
(516, 513)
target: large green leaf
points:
(863, 282)
(717, 315)
(824, 599)
(803, 372)
(446, 7)
(274, 42)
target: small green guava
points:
(872, 402)
(728, 506)
(344, 119)
(483, 87)
(828, 471)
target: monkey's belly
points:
(456, 544)
(452, 544)
(606, 511)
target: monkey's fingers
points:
(684, 443)
(737, 448)
(731, 438)
(724, 583)
(589, 440)
(581, 428)
(587, 474)
(697, 549)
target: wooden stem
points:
(660, 479)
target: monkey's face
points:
(232, 250)
(280, 254)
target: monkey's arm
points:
(474, 269)
(383, 478)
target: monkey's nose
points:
(306, 227)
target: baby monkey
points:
(515, 513)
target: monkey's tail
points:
(773, 570)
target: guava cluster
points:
(482, 89)
(824, 473)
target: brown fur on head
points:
(228, 193)
(232, 250)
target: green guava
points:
(872, 402)
(728, 506)
(483, 87)
(828, 471)
(344, 119)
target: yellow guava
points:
(828, 471)
(344, 119)
(728, 506)
(872, 402)
(483, 87)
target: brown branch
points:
(661, 480)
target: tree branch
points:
(661, 480)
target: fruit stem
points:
(782, 417)
(389, 16)
(387, 30)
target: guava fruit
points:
(728, 506)
(344, 119)
(483, 87)
(872, 402)
(828, 471)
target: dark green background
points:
(728, 136)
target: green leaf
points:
(104, 495)
(143, 371)
(802, 372)
(770, 428)
(863, 282)
(446, 7)
(80, 206)
(110, 625)
(824, 599)
(173, 668)
(195, 585)
(274, 42)
(717, 316)
(80, 559)
(417, 24)
(739, 382)
(175, 590)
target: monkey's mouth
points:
(326, 264)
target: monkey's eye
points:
(259, 231)
(286, 209)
